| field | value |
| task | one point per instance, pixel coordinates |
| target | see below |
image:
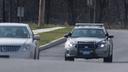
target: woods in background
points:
(114, 12)
(71, 11)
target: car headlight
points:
(102, 44)
(25, 47)
(69, 45)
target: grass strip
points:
(53, 35)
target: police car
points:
(89, 41)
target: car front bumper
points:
(94, 53)
(22, 55)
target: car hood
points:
(14, 41)
(88, 39)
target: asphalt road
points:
(120, 51)
(59, 66)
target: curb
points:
(53, 43)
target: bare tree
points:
(41, 12)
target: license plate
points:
(86, 52)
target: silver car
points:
(18, 41)
(89, 41)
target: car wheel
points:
(36, 54)
(108, 59)
(69, 58)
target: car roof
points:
(13, 24)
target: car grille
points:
(85, 46)
(82, 45)
(9, 48)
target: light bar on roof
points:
(89, 24)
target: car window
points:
(99, 33)
(13, 32)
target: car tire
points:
(108, 59)
(69, 58)
(36, 54)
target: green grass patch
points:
(53, 35)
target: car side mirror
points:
(36, 37)
(110, 36)
(106, 34)
(67, 35)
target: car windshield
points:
(13, 32)
(98, 33)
